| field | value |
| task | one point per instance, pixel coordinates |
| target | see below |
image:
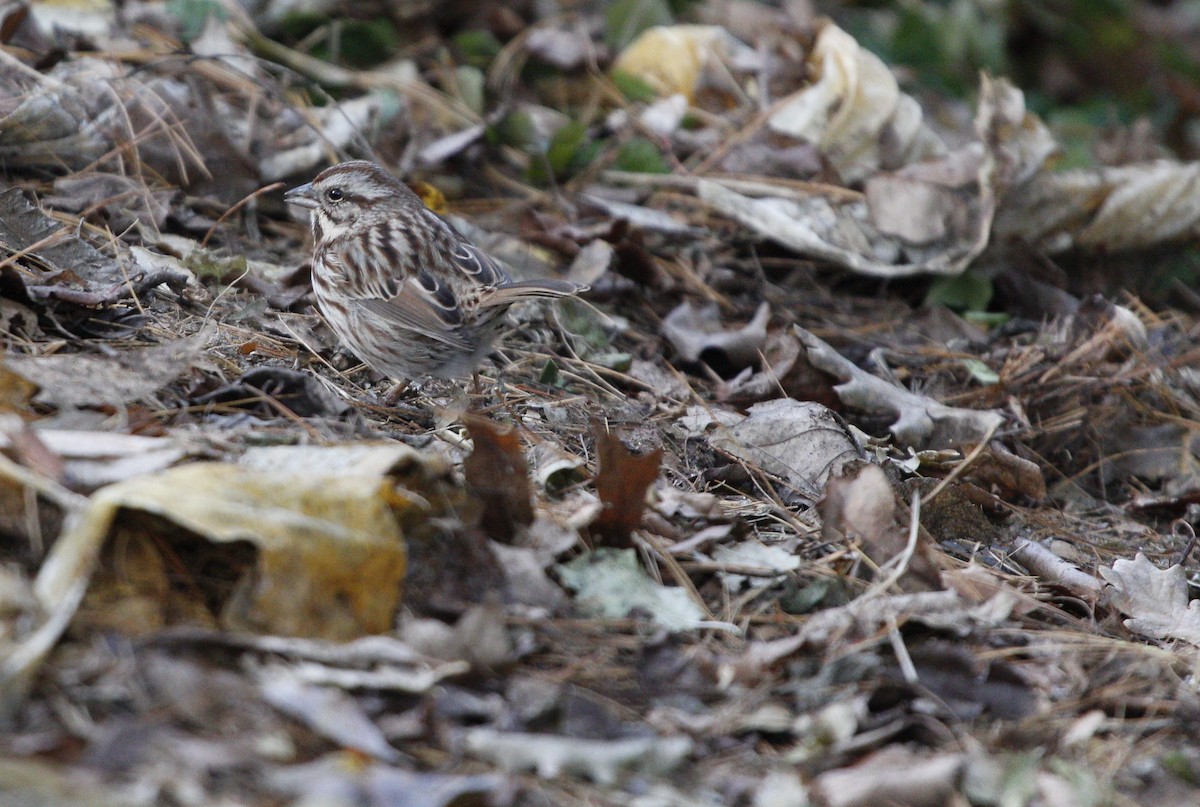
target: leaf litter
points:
(744, 527)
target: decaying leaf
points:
(330, 555)
(854, 111)
(497, 473)
(78, 380)
(921, 422)
(621, 483)
(697, 335)
(861, 508)
(679, 58)
(802, 442)
(932, 218)
(53, 250)
(610, 583)
(331, 558)
(601, 761)
(1106, 209)
(1156, 600)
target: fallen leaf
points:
(801, 442)
(1156, 600)
(921, 422)
(784, 371)
(895, 775)
(498, 475)
(861, 508)
(327, 711)
(621, 483)
(854, 110)
(610, 583)
(78, 380)
(601, 761)
(698, 336)
(678, 58)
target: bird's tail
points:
(530, 289)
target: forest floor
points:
(863, 474)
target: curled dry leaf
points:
(697, 335)
(854, 111)
(680, 58)
(926, 218)
(330, 556)
(1106, 209)
(920, 422)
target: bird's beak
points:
(302, 196)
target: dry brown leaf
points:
(497, 473)
(621, 483)
(861, 508)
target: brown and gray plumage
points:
(397, 283)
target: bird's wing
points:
(418, 302)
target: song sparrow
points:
(400, 286)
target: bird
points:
(400, 285)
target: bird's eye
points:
(335, 194)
